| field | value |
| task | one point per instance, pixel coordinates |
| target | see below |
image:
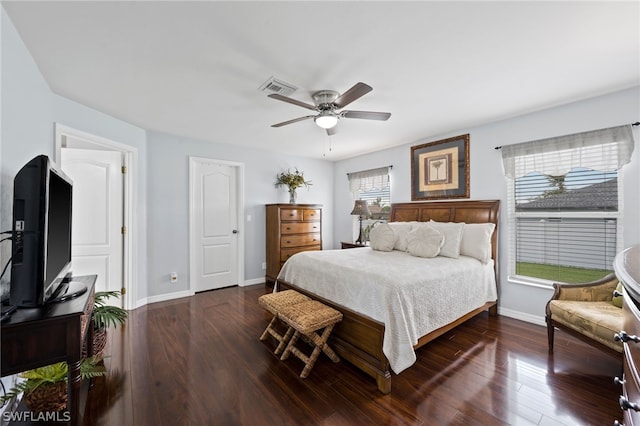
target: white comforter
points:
(412, 296)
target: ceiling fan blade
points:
(332, 130)
(295, 120)
(292, 101)
(367, 115)
(357, 91)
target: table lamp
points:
(361, 209)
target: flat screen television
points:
(41, 247)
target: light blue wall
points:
(27, 119)
(168, 202)
(487, 180)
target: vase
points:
(292, 196)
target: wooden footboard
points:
(358, 338)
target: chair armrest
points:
(595, 291)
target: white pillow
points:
(425, 241)
(401, 229)
(452, 232)
(476, 240)
(382, 237)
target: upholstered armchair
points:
(588, 311)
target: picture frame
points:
(440, 170)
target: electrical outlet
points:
(174, 277)
(264, 265)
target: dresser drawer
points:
(631, 388)
(291, 214)
(631, 323)
(299, 228)
(296, 240)
(286, 253)
(311, 215)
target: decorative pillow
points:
(476, 240)
(425, 241)
(401, 229)
(617, 300)
(382, 237)
(452, 232)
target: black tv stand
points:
(68, 290)
(35, 337)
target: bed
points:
(381, 326)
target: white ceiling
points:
(193, 68)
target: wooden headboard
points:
(472, 211)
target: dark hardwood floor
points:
(198, 361)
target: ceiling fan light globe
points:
(326, 121)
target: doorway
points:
(94, 159)
(216, 242)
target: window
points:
(565, 217)
(373, 186)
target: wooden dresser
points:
(627, 268)
(291, 228)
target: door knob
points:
(235, 231)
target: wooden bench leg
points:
(320, 345)
(290, 346)
(268, 329)
(284, 341)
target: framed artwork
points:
(440, 170)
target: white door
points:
(97, 242)
(214, 225)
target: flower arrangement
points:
(293, 180)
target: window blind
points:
(564, 204)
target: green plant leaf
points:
(54, 373)
(106, 316)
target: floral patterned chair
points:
(588, 311)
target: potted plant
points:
(103, 317)
(45, 388)
(293, 180)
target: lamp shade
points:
(326, 119)
(361, 208)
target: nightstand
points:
(346, 245)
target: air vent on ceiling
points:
(273, 85)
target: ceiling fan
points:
(328, 102)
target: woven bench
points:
(274, 302)
(307, 318)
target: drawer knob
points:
(618, 381)
(624, 337)
(617, 423)
(628, 405)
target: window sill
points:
(530, 282)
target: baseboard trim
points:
(253, 282)
(164, 298)
(534, 319)
(187, 293)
